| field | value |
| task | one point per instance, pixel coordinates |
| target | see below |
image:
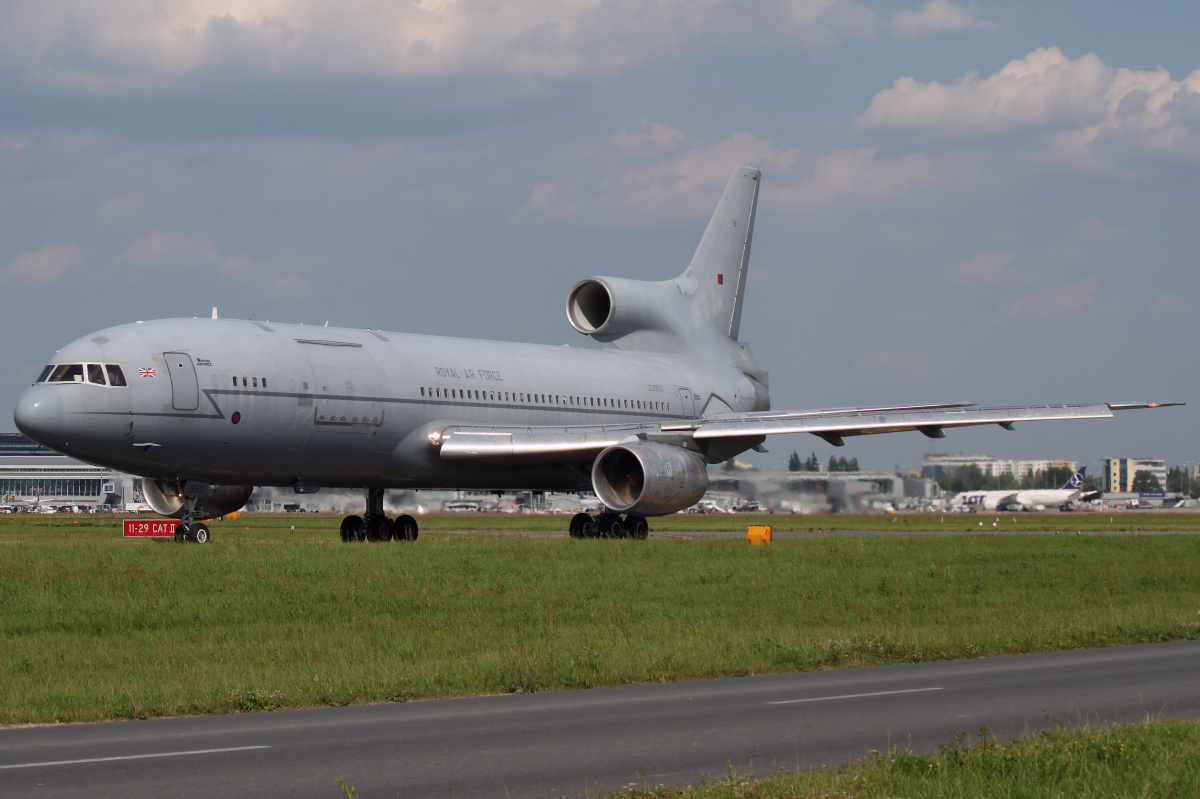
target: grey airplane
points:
(658, 388)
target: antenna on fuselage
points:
(214, 316)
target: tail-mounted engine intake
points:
(166, 498)
(649, 479)
(613, 306)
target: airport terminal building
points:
(32, 476)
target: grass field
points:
(1156, 760)
(93, 626)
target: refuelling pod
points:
(649, 479)
(166, 498)
(613, 306)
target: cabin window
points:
(95, 373)
(264, 382)
(422, 391)
(67, 373)
(45, 373)
(115, 376)
(235, 380)
(243, 382)
(439, 393)
(254, 382)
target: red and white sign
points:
(149, 528)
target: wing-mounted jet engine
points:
(190, 501)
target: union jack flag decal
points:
(146, 372)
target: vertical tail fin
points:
(716, 277)
(1076, 481)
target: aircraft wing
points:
(580, 442)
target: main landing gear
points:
(609, 525)
(374, 525)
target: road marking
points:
(853, 696)
(133, 757)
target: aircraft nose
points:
(39, 414)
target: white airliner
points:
(658, 388)
(1029, 499)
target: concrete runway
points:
(569, 743)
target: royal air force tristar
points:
(659, 388)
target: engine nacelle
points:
(613, 306)
(166, 498)
(649, 479)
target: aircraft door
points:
(686, 404)
(185, 392)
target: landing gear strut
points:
(188, 529)
(374, 525)
(609, 525)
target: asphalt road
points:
(571, 742)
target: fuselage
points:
(258, 403)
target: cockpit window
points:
(45, 373)
(67, 373)
(95, 373)
(115, 376)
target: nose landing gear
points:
(189, 530)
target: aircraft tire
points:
(637, 527)
(352, 528)
(611, 525)
(406, 529)
(378, 528)
(199, 534)
(579, 525)
(182, 533)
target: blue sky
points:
(992, 202)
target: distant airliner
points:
(206, 409)
(1029, 498)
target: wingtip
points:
(1132, 406)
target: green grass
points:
(1153, 760)
(93, 626)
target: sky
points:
(983, 202)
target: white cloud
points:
(1166, 303)
(47, 265)
(1052, 302)
(1095, 118)
(934, 17)
(990, 266)
(660, 178)
(169, 248)
(138, 45)
(857, 176)
(1044, 88)
(910, 363)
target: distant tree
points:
(1145, 481)
(837, 464)
(794, 464)
(1054, 477)
(965, 478)
(812, 465)
(1178, 480)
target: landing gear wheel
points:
(406, 529)
(611, 525)
(182, 532)
(637, 528)
(352, 528)
(199, 534)
(378, 528)
(579, 525)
